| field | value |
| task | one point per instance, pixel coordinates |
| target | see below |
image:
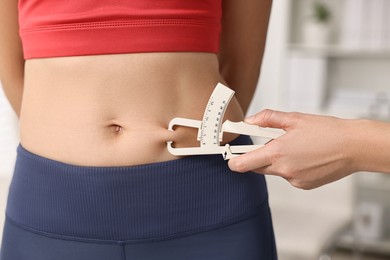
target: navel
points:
(118, 129)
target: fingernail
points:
(249, 119)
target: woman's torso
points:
(113, 110)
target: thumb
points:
(270, 118)
(250, 161)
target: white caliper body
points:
(211, 129)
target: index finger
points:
(270, 118)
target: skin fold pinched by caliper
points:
(211, 129)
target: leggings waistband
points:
(130, 202)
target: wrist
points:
(366, 139)
(355, 146)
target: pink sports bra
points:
(50, 28)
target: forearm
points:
(243, 38)
(11, 54)
(14, 92)
(12, 77)
(371, 149)
(243, 80)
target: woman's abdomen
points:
(114, 110)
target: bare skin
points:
(317, 150)
(110, 111)
(114, 110)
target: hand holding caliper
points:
(211, 129)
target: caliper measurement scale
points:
(211, 129)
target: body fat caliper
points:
(211, 129)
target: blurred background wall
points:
(331, 59)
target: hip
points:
(144, 202)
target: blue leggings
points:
(189, 208)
